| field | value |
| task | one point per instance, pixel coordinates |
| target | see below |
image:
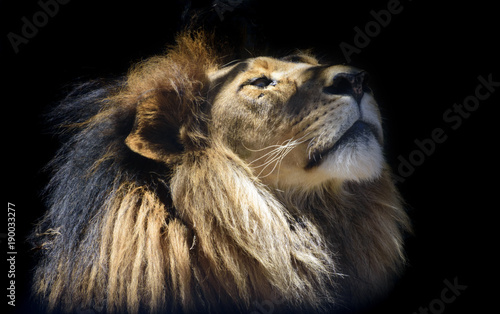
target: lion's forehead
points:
(278, 65)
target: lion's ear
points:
(170, 94)
(156, 132)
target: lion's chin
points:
(356, 156)
(357, 160)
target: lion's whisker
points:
(278, 154)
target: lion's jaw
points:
(293, 128)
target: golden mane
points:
(180, 222)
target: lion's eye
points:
(262, 82)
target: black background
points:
(427, 59)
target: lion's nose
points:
(354, 84)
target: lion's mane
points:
(189, 227)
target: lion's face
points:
(297, 122)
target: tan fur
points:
(222, 228)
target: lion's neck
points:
(364, 229)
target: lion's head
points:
(193, 186)
(296, 122)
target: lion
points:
(192, 186)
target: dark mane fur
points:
(91, 165)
